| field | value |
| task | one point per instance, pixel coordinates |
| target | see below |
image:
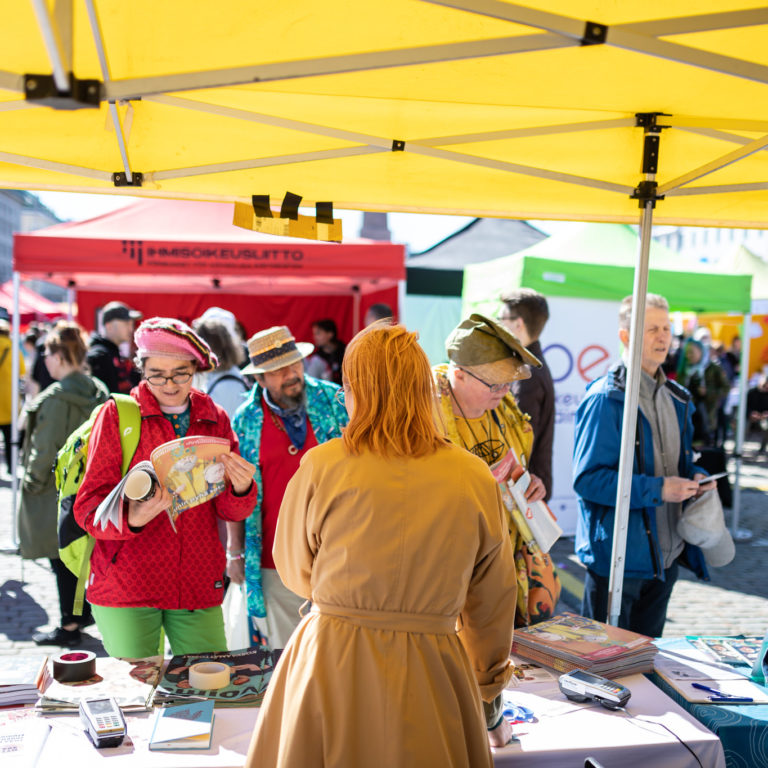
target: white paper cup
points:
(139, 486)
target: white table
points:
(565, 734)
(647, 733)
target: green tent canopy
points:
(597, 261)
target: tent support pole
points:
(629, 419)
(741, 534)
(356, 319)
(70, 303)
(646, 193)
(15, 347)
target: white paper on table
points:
(675, 668)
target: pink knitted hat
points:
(172, 338)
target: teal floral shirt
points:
(326, 417)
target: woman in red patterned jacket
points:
(145, 577)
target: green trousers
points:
(137, 632)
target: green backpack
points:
(75, 544)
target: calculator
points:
(579, 685)
(103, 721)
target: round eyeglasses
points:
(340, 396)
(177, 378)
(495, 388)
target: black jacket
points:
(536, 397)
(106, 363)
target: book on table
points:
(22, 678)
(188, 467)
(131, 683)
(184, 726)
(568, 641)
(250, 672)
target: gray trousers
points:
(282, 608)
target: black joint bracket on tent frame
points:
(649, 121)
(42, 89)
(119, 179)
(398, 145)
(644, 192)
(594, 33)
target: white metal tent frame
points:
(557, 31)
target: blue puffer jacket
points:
(597, 444)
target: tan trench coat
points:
(392, 553)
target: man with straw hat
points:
(284, 415)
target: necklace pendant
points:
(292, 449)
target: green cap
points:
(479, 341)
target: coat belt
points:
(397, 621)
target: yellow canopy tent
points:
(553, 109)
(472, 107)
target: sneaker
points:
(66, 638)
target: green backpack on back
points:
(75, 544)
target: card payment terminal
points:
(103, 721)
(584, 686)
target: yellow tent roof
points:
(472, 107)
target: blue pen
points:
(721, 696)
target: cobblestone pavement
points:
(735, 601)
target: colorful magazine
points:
(251, 670)
(131, 683)
(729, 650)
(539, 522)
(188, 467)
(568, 641)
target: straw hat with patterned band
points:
(492, 352)
(275, 348)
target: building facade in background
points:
(23, 212)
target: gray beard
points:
(291, 403)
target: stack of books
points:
(250, 672)
(567, 641)
(22, 678)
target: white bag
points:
(236, 625)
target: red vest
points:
(277, 468)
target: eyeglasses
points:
(495, 388)
(340, 396)
(177, 378)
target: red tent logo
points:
(134, 249)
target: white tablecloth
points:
(648, 733)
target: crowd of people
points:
(360, 514)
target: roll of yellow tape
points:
(209, 675)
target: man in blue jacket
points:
(661, 481)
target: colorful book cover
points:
(190, 469)
(185, 726)
(729, 650)
(571, 636)
(251, 670)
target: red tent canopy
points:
(176, 258)
(32, 306)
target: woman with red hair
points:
(398, 538)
